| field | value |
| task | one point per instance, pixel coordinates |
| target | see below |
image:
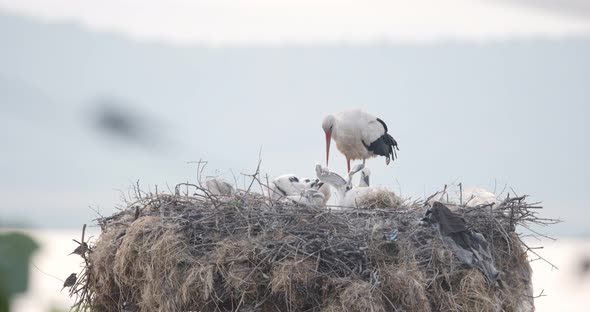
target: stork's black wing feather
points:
(385, 145)
(383, 123)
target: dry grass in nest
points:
(405, 286)
(380, 199)
(475, 294)
(360, 296)
(195, 252)
(296, 282)
(236, 263)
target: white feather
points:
(351, 129)
(349, 196)
(219, 187)
(365, 174)
(475, 196)
(305, 191)
(285, 185)
(310, 197)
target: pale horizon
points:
(290, 22)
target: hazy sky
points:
(501, 103)
(227, 22)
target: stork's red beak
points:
(328, 139)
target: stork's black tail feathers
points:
(392, 147)
(386, 146)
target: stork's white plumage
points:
(365, 174)
(286, 185)
(358, 135)
(317, 186)
(358, 195)
(316, 195)
(219, 187)
(306, 181)
(303, 191)
(350, 196)
(475, 196)
(470, 197)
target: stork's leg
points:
(348, 164)
(364, 162)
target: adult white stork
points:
(358, 135)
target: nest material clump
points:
(246, 253)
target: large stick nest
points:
(197, 252)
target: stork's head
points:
(328, 126)
(365, 174)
